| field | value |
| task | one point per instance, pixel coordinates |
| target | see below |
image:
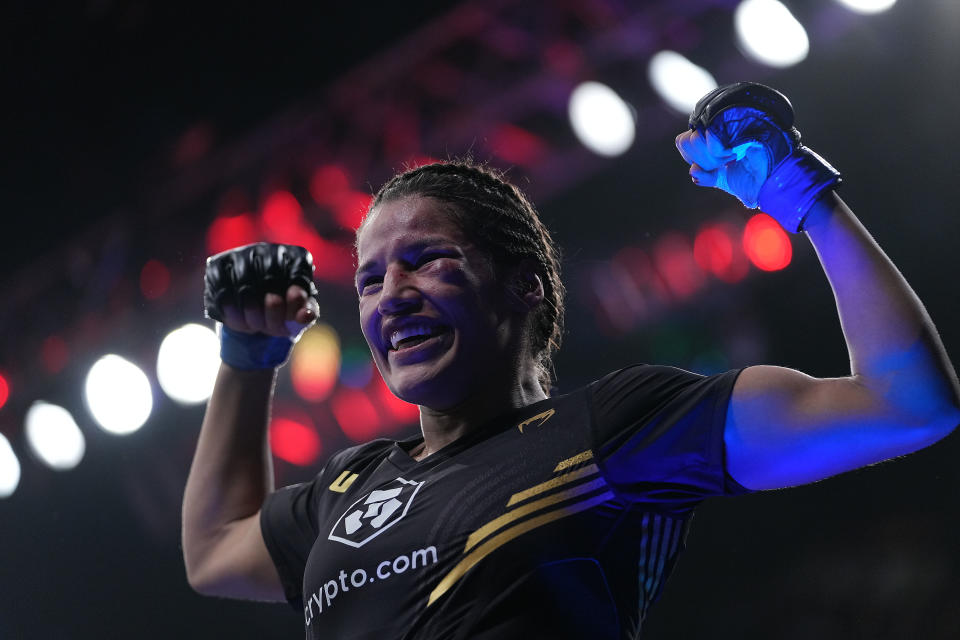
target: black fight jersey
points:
(559, 520)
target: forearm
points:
(231, 473)
(893, 346)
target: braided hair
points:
(499, 218)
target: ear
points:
(524, 287)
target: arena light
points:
(187, 363)
(118, 395)
(355, 414)
(716, 251)
(4, 390)
(315, 362)
(9, 468)
(766, 243)
(229, 231)
(868, 6)
(53, 436)
(679, 82)
(768, 33)
(601, 120)
(295, 440)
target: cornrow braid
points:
(500, 219)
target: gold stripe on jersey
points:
(343, 481)
(506, 536)
(542, 417)
(574, 460)
(553, 483)
(537, 505)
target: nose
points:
(397, 293)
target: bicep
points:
(238, 565)
(785, 428)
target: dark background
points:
(100, 98)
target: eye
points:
(370, 281)
(430, 257)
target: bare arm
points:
(230, 477)
(232, 474)
(786, 428)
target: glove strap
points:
(792, 188)
(250, 351)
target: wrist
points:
(253, 351)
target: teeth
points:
(409, 332)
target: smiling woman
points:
(544, 515)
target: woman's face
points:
(431, 309)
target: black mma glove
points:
(242, 277)
(744, 140)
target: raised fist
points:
(261, 288)
(742, 140)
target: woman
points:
(516, 514)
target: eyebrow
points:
(419, 245)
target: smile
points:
(421, 346)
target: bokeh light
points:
(4, 390)
(9, 468)
(766, 243)
(294, 439)
(355, 414)
(118, 395)
(768, 33)
(53, 436)
(227, 232)
(868, 6)
(356, 367)
(54, 354)
(677, 80)
(315, 362)
(601, 120)
(187, 363)
(718, 252)
(154, 279)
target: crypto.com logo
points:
(374, 513)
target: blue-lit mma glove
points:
(750, 149)
(241, 277)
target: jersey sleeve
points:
(658, 434)
(289, 524)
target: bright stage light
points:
(118, 395)
(601, 120)
(868, 6)
(187, 363)
(678, 81)
(9, 468)
(768, 33)
(54, 436)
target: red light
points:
(328, 184)
(54, 354)
(333, 262)
(399, 410)
(227, 232)
(4, 390)
(282, 217)
(716, 252)
(295, 440)
(154, 279)
(766, 243)
(355, 414)
(674, 258)
(516, 145)
(350, 209)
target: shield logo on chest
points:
(374, 513)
